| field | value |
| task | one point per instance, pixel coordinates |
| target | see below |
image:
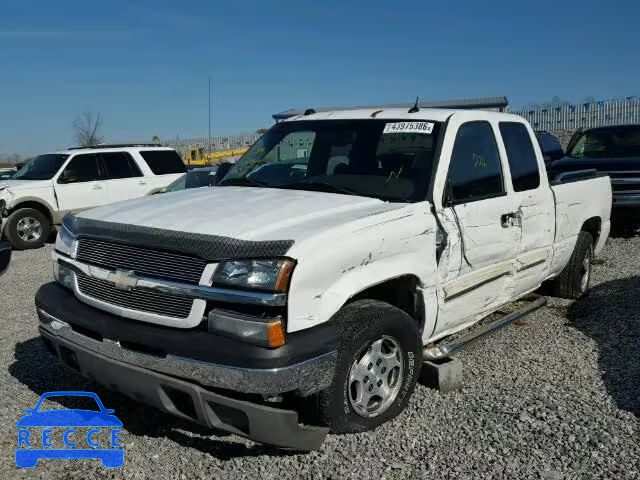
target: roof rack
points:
(117, 145)
(497, 103)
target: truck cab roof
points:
(434, 114)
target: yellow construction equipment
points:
(197, 156)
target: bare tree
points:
(86, 128)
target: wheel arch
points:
(593, 226)
(36, 205)
(403, 292)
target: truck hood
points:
(23, 184)
(246, 213)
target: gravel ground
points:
(557, 397)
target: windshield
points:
(387, 159)
(42, 167)
(618, 142)
(194, 179)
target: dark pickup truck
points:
(615, 151)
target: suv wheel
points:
(27, 228)
(379, 360)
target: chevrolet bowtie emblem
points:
(123, 279)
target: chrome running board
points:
(446, 349)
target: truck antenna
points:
(415, 108)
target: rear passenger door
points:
(476, 268)
(534, 204)
(124, 179)
(81, 184)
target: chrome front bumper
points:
(304, 378)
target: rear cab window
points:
(523, 163)
(163, 162)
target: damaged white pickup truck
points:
(342, 249)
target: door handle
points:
(511, 219)
(142, 183)
(97, 187)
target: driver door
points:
(483, 234)
(81, 184)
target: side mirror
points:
(67, 176)
(5, 257)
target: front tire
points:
(574, 280)
(27, 228)
(379, 360)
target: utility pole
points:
(209, 144)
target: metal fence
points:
(570, 117)
(213, 144)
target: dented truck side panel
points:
(367, 252)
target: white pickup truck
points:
(339, 252)
(51, 185)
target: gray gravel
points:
(555, 398)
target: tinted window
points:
(120, 165)
(81, 168)
(550, 146)
(475, 171)
(525, 174)
(43, 167)
(162, 162)
(618, 142)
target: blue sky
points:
(144, 64)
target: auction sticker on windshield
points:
(408, 127)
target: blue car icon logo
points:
(35, 444)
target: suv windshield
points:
(617, 142)
(387, 159)
(42, 167)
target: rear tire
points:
(378, 365)
(574, 280)
(27, 228)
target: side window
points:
(81, 168)
(475, 171)
(525, 173)
(120, 165)
(162, 162)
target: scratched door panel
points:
(490, 248)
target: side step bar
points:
(447, 349)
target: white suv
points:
(51, 185)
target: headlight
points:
(63, 275)
(272, 275)
(65, 242)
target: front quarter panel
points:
(339, 264)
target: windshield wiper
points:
(320, 186)
(243, 182)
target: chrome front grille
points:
(141, 300)
(143, 261)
